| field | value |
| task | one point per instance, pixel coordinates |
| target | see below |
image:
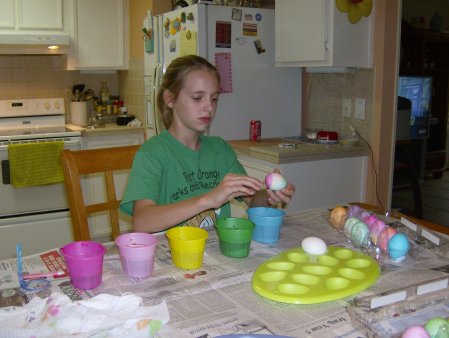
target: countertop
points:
(269, 150)
(111, 128)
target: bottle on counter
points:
(104, 93)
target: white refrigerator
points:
(239, 41)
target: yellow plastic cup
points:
(187, 246)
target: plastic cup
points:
(187, 246)
(136, 252)
(268, 223)
(84, 260)
(235, 236)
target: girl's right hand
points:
(233, 186)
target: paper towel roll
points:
(78, 113)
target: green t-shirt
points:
(166, 171)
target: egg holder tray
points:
(388, 314)
(417, 235)
(296, 277)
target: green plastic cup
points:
(235, 236)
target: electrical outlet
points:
(359, 109)
(346, 107)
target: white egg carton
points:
(389, 314)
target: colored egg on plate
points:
(314, 245)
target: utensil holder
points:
(78, 113)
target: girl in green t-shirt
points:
(182, 176)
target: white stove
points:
(33, 212)
(32, 119)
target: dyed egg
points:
(338, 217)
(398, 247)
(354, 211)
(437, 327)
(369, 220)
(384, 237)
(415, 332)
(314, 245)
(360, 234)
(348, 226)
(375, 229)
(275, 181)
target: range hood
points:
(18, 44)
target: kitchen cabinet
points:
(31, 15)
(94, 185)
(101, 34)
(312, 33)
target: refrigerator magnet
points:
(237, 14)
(249, 29)
(173, 46)
(190, 16)
(259, 47)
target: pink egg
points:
(384, 237)
(415, 332)
(375, 229)
(275, 181)
(369, 220)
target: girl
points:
(182, 176)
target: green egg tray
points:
(295, 277)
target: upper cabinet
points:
(312, 33)
(101, 35)
(31, 15)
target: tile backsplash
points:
(42, 76)
(325, 94)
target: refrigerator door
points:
(259, 91)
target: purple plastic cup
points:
(84, 260)
(136, 252)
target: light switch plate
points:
(346, 107)
(359, 113)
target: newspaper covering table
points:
(218, 299)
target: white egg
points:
(275, 181)
(314, 245)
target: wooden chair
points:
(75, 164)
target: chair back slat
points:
(78, 163)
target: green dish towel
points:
(34, 164)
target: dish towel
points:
(101, 316)
(35, 163)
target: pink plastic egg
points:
(275, 181)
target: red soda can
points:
(255, 127)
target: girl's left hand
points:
(281, 196)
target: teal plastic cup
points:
(268, 223)
(234, 236)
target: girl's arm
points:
(150, 217)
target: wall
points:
(44, 76)
(324, 97)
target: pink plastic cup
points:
(136, 251)
(84, 261)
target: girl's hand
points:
(281, 196)
(233, 186)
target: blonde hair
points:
(174, 79)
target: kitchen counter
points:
(269, 150)
(109, 129)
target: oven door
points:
(32, 200)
